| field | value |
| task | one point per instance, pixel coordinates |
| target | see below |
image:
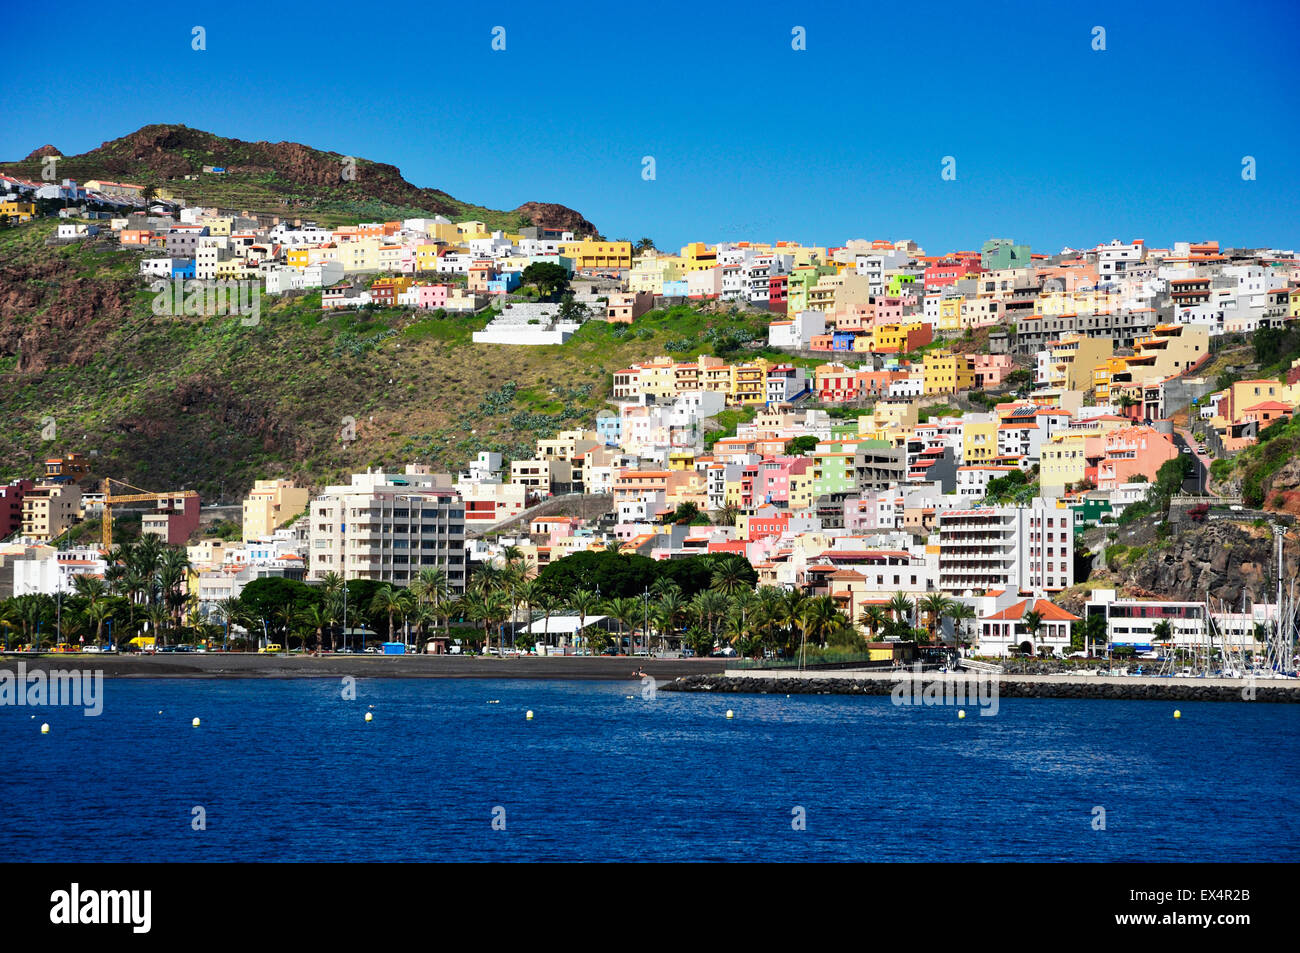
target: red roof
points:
(1050, 612)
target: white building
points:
(1021, 548)
(389, 526)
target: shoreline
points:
(236, 665)
(1097, 687)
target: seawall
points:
(1008, 686)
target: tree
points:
(387, 601)
(642, 245)
(874, 619)
(1162, 631)
(935, 606)
(547, 277)
(585, 603)
(1032, 622)
(686, 513)
(731, 574)
(963, 615)
(800, 446)
(900, 607)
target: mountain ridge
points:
(286, 178)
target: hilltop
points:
(278, 178)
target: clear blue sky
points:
(1055, 144)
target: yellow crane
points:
(138, 496)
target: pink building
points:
(431, 297)
(772, 482)
(1135, 450)
(990, 369)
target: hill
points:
(210, 404)
(287, 179)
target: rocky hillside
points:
(281, 178)
(1221, 558)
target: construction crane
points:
(138, 496)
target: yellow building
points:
(886, 337)
(979, 440)
(947, 373)
(1063, 460)
(950, 313)
(748, 383)
(648, 274)
(270, 504)
(1072, 360)
(22, 211)
(591, 255)
(802, 489)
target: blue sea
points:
(450, 769)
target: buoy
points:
(528, 716)
(195, 723)
(1177, 713)
(730, 713)
(961, 713)
(369, 716)
(45, 728)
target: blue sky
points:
(1055, 144)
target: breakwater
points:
(1008, 686)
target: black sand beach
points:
(239, 665)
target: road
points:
(1199, 481)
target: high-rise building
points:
(388, 527)
(1020, 548)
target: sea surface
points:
(450, 769)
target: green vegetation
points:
(800, 446)
(937, 411)
(1016, 487)
(728, 421)
(208, 403)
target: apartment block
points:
(388, 527)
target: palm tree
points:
(584, 602)
(669, 610)
(96, 613)
(387, 600)
(233, 612)
(288, 618)
(962, 614)
(874, 618)
(319, 617)
(729, 576)
(935, 606)
(627, 610)
(528, 592)
(172, 570)
(158, 617)
(709, 606)
(900, 607)
(487, 607)
(1032, 621)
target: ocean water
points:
(288, 770)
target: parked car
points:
(269, 649)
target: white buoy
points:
(1177, 713)
(528, 716)
(195, 723)
(369, 716)
(961, 713)
(730, 713)
(45, 728)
